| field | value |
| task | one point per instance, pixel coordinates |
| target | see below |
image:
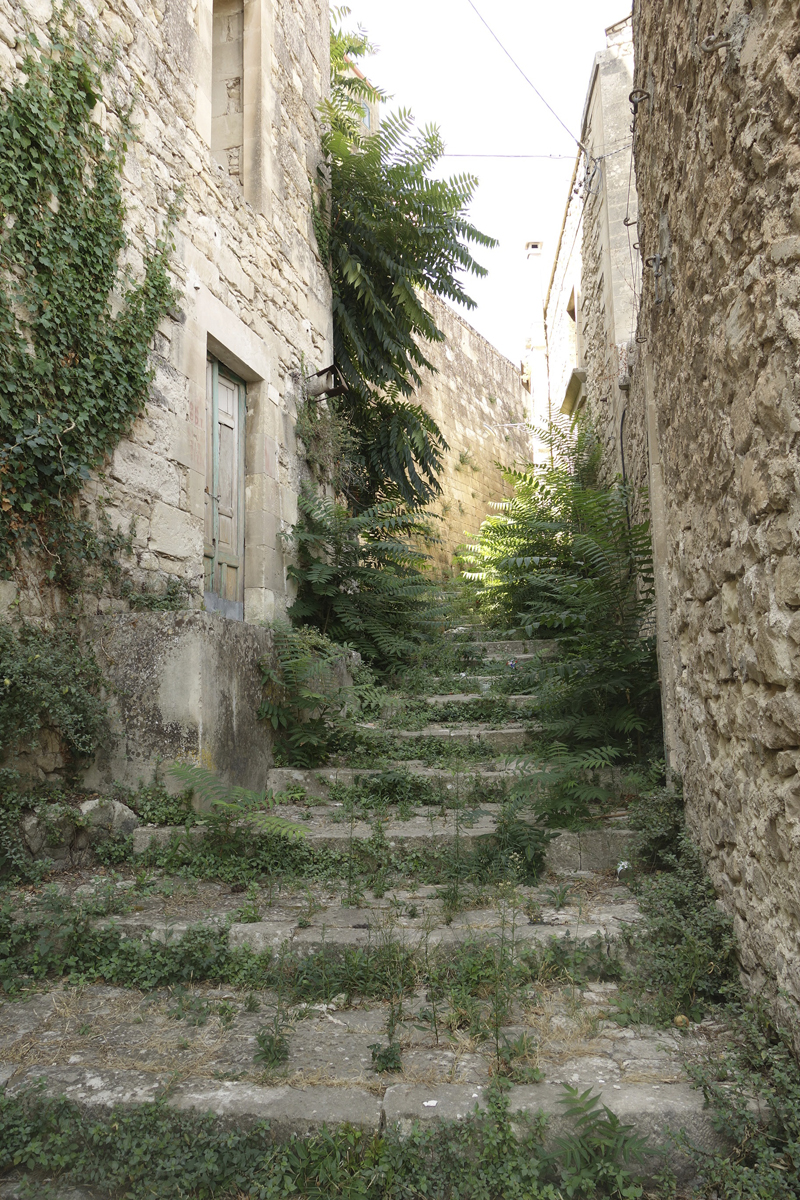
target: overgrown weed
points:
(754, 1089)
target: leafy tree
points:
(388, 232)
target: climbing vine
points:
(74, 369)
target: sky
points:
(436, 58)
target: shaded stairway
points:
(492, 977)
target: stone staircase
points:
(102, 1046)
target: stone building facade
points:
(704, 409)
(225, 107)
(225, 97)
(478, 400)
(590, 305)
(717, 390)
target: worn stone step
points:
(317, 780)
(394, 704)
(417, 833)
(512, 737)
(502, 647)
(347, 927)
(653, 1110)
(288, 1110)
(483, 683)
(516, 648)
(598, 850)
(319, 913)
(469, 697)
(279, 778)
(516, 659)
(476, 926)
(485, 633)
(469, 680)
(606, 849)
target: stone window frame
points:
(258, 100)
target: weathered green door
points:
(224, 507)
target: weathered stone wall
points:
(718, 386)
(478, 401)
(562, 304)
(225, 103)
(590, 309)
(178, 686)
(252, 289)
(606, 313)
(183, 685)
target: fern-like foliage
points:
(314, 691)
(568, 787)
(388, 232)
(230, 803)
(596, 1157)
(358, 579)
(564, 560)
(349, 88)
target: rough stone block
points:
(175, 533)
(108, 818)
(184, 685)
(146, 473)
(590, 850)
(260, 936)
(298, 1111)
(8, 595)
(787, 582)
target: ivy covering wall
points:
(75, 327)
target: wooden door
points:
(224, 501)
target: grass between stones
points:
(445, 982)
(153, 1151)
(56, 938)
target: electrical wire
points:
(529, 82)
(453, 154)
(594, 158)
(630, 249)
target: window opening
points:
(223, 562)
(227, 77)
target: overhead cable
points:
(529, 82)
(594, 157)
(453, 154)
